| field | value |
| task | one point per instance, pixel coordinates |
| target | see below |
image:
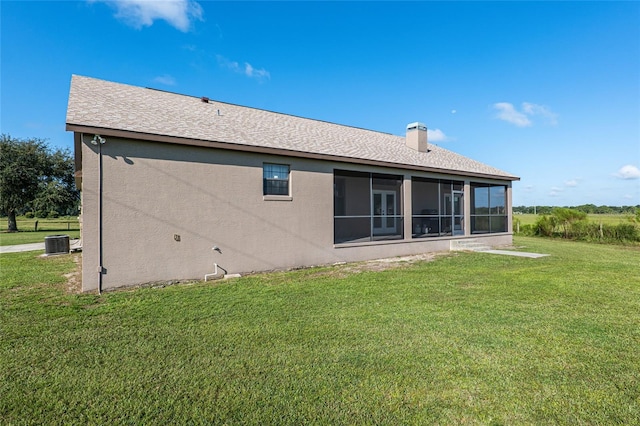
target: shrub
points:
(545, 225)
(568, 218)
(29, 215)
(41, 214)
(627, 232)
(53, 214)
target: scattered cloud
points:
(165, 79)
(555, 191)
(533, 109)
(571, 183)
(453, 111)
(180, 14)
(508, 112)
(436, 135)
(246, 69)
(628, 172)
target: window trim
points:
(276, 197)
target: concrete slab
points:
(515, 253)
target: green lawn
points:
(468, 338)
(27, 234)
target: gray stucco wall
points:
(155, 194)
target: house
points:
(177, 187)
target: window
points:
(366, 207)
(275, 179)
(488, 208)
(437, 207)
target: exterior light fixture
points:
(97, 139)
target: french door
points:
(384, 211)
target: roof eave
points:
(127, 134)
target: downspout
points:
(99, 141)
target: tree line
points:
(584, 208)
(35, 179)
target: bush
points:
(545, 226)
(53, 214)
(29, 215)
(41, 214)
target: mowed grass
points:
(467, 338)
(26, 230)
(605, 219)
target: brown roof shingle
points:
(99, 104)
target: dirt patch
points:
(74, 278)
(376, 265)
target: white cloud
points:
(628, 172)
(533, 109)
(248, 70)
(436, 135)
(142, 13)
(507, 112)
(555, 191)
(571, 182)
(165, 79)
(252, 72)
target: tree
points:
(57, 190)
(29, 170)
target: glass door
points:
(457, 208)
(384, 210)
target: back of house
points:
(174, 187)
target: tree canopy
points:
(32, 176)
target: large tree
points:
(31, 173)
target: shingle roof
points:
(106, 105)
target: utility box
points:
(56, 244)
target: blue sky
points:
(548, 91)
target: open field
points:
(467, 338)
(611, 219)
(27, 234)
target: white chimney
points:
(417, 136)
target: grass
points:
(468, 338)
(605, 219)
(26, 234)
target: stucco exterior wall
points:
(164, 207)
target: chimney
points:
(417, 136)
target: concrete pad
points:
(515, 253)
